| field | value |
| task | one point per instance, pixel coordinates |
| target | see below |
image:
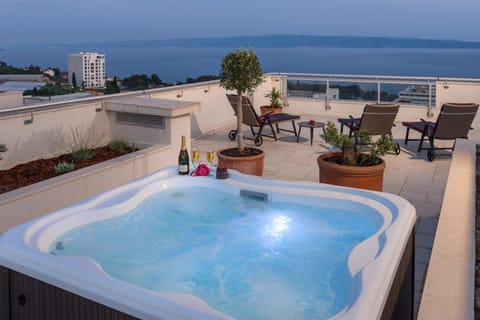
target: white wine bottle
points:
(183, 158)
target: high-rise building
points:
(87, 69)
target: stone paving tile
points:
(435, 198)
(422, 255)
(420, 271)
(412, 196)
(417, 296)
(392, 188)
(312, 176)
(423, 240)
(297, 174)
(427, 226)
(426, 209)
(418, 286)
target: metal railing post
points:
(429, 108)
(378, 91)
(327, 89)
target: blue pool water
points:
(247, 258)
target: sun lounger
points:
(251, 118)
(454, 121)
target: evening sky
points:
(24, 22)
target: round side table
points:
(312, 126)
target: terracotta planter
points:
(245, 164)
(267, 109)
(370, 177)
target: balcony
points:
(155, 119)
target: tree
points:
(57, 72)
(7, 69)
(74, 79)
(112, 86)
(33, 69)
(136, 82)
(155, 79)
(48, 90)
(201, 78)
(241, 71)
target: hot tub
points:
(246, 248)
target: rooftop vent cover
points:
(142, 120)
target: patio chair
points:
(376, 119)
(251, 119)
(454, 121)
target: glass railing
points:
(379, 89)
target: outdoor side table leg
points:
(299, 130)
(311, 136)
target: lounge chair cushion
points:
(348, 122)
(420, 126)
(277, 117)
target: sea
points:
(173, 63)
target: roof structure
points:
(20, 85)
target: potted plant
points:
(275, 99)
(350, 167)
(241, 71)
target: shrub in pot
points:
(275, 102)
(351, 167)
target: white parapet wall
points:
(40, 133)
(10, 99)
(449, 285)
(215, 112)
(156, 122)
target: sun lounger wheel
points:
(232, 134)
(396, 149)
(431, 155)
(258, 141)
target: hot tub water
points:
(237, 254)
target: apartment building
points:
(88, 68)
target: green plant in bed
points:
(64, 167)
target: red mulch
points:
(39, 170)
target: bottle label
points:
(183, 168)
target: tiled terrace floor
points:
(409, 175)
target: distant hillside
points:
(286, 41)
(8, 69)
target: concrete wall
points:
(457, 92)
(10, 99)
(449, 285)
(155, 121)
(214, 113)
(39, 134)
(467, 92)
